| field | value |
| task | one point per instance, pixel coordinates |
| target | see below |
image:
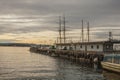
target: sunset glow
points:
(36, 21)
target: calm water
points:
(17, 63)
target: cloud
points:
(34, 16)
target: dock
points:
(84, 52)
(81, 57)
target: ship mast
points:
(88, 31)
(82, 32)
(64, 29)
(60, 30)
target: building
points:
(99, 46)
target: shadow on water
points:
(110, 75)
(20, 64)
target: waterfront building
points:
(99, 46)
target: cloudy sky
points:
(36, 21)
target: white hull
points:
(111, 66)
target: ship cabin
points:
(99, 46)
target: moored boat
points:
(112, 62)
(111, 66)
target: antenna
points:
(110, 36)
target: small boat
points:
(111, 62)
(111, 66)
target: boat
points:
(111, 66)
(111, 62)
(84, 51)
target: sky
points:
(36, 21)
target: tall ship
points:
(109, 48)
(104, 53)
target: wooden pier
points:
(84, 58)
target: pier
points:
(90, 54)
(85, 52)
(81, 57)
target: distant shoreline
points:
(16, 44)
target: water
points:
(17, 63)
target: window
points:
(75, 47)
(91, 46)
(97, 46)
(71, 48)
(108, 46)
(80, 46)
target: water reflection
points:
(17, 63)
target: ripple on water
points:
(20, 64)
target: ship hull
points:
(111, 66)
